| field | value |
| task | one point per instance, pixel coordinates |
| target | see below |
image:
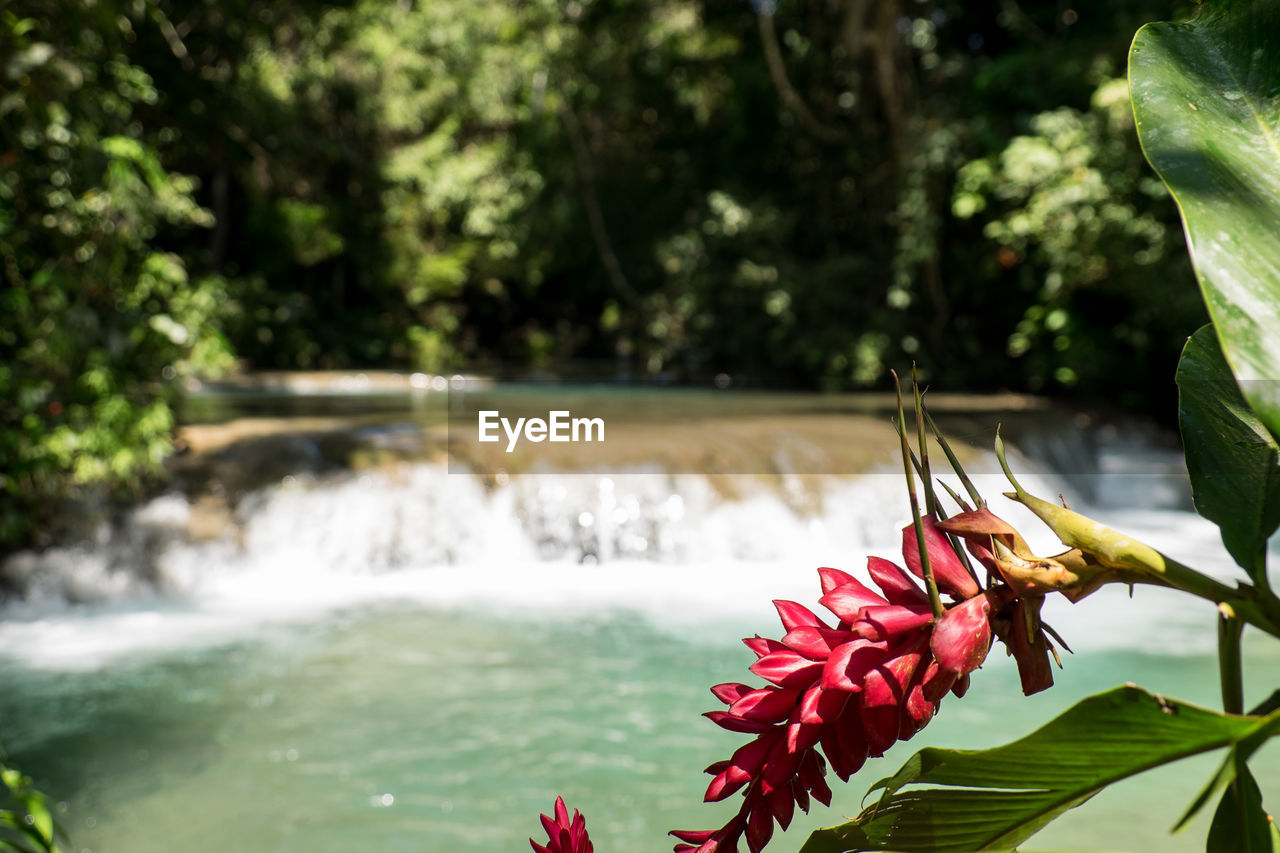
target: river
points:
(399, 656)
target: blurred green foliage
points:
(1084, 229)
(95, 307)
(27, 824)
(801, 195)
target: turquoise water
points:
(405, 659)
(399, 728)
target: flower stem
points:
(930, 500)
(935, 602)
(978, 502)
(1138, 562)
(1229, 668)
(939, 515)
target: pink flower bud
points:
(849, 663)
(1030, 651)
(832, 578)
(897, 586)
(889, 621)
(732, 723)
(962, 637)
(796, 615)
(814, 643)
(766, 705)
(849, 599)
(730, 692)
(786, 669)
(949, 572)
(762, 645)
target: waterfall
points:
(679, 548)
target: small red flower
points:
(563, 835)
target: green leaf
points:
(1208, 116)
(1240, 824)
(1234, 462)
(1234, 767)
(1266, 706)
(41, 818)
(994, 799)
(21, 832)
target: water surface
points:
(403, 658)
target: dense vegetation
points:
(799, 195)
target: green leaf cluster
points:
(995, 799)
(99, 317)
(27, 824)
(1084, 227)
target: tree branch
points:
(786, 92)
(591, 201)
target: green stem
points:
(1229, 668)
(930, 500)
(935, 601)
(1135, 561)
(959, 501)
(939, 515)
(978, 502)
(1231, 676)
(930, 497)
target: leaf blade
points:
(1240, 825)
(1233, 460)
(1234, 767)
(994, 799)
(1209, 123)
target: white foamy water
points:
(672, 549)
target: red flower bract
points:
(1022, 633)
(847, 691)
(563, 835)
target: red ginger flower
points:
(563, 835)
(852, 689)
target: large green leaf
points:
(994, 799)
(1206, 96)
(1233, 460)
